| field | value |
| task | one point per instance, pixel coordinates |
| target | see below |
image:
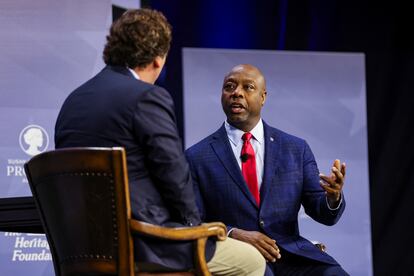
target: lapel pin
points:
(271, 139)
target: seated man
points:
(121, 106)
(255, 178)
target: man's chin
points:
(236, 121)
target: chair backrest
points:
(83, 199)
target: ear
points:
(264, 94)
(159, 62)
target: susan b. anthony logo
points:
(33, 140)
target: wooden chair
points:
(83, 199)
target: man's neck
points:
(134, 73)
(145, 74)
(244, 126)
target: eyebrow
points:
(244, 80)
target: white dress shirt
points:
(133, 73)
(257, 142)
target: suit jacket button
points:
(261, 223)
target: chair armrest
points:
(204, 230)
(198, 234)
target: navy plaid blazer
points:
(291, 179)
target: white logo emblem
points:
(33, 140)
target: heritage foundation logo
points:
(29, 247)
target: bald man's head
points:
(249, 69)
(243, 95)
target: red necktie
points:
(249, 166)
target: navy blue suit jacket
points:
(291, 179)
(115, 109)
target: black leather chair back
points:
(81, 194)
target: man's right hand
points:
(263, 243)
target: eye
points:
(249, 87)
(229, 86)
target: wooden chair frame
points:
(111, 161)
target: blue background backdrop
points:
(317, 96)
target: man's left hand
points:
(333, 184)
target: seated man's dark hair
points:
(136, 38)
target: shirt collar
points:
(133, 73)
(235, 134)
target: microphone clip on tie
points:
(244, 157)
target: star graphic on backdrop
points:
(357, 106)
(96, 39)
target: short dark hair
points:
(137, 38)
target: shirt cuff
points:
(229, 232)
(329, 207)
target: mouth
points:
(236, 108)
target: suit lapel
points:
(272, 146)
(221, 147)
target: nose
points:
(237, 92)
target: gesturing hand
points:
(333, 184)
(263, 243)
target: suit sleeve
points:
(156, 130)
(197, 192)
(313, 197)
